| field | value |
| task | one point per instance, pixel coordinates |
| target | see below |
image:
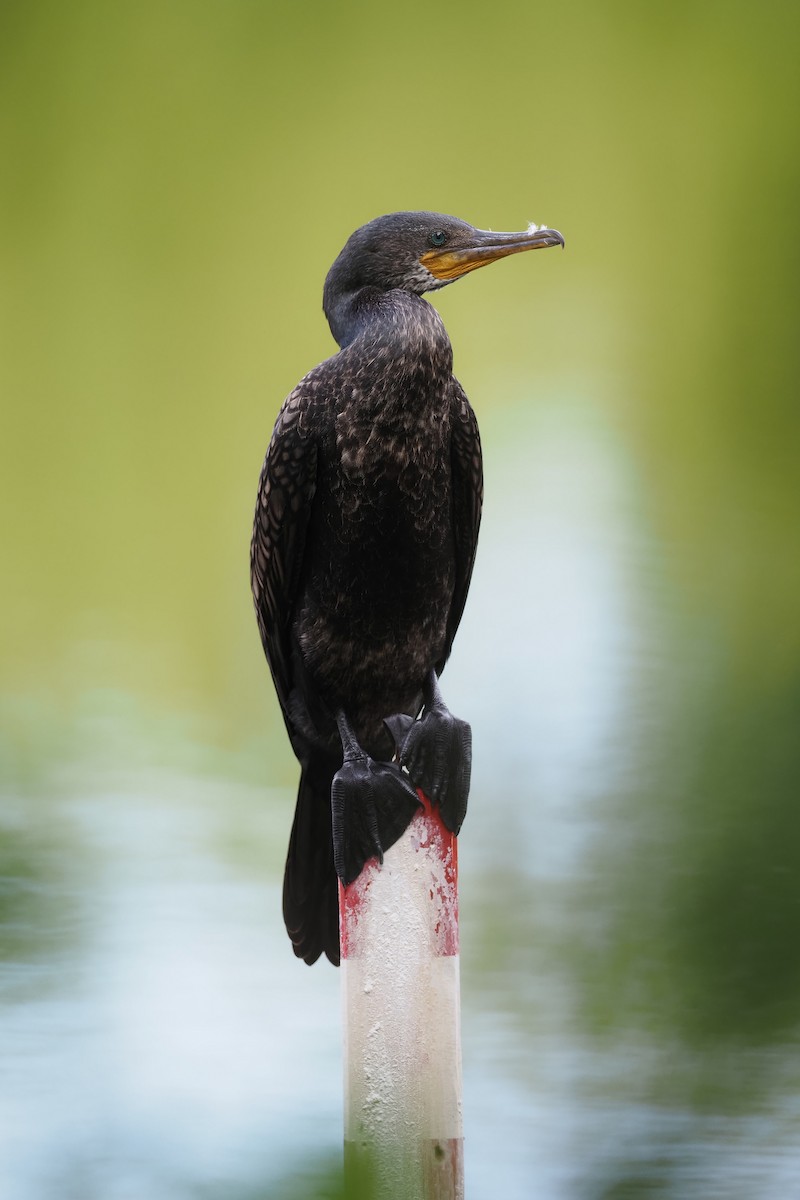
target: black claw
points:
(372, 804)
(436, 750)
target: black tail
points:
(310, 887)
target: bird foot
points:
(372, 804)
(436, 750)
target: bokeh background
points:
(177, 176)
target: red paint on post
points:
(428, 828)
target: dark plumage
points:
(363, 544)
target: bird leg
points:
(436, 750)
(372, 804)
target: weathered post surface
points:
(402, 1017)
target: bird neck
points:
(394, 324)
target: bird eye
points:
(438, 237)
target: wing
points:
(285, 494)
(467, 477)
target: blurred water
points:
(180, 1046)
(158, 1037)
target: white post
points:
(402, 1017)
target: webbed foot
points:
(372, 804)
(436, 750)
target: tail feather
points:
(310, 886)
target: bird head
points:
(420, 252)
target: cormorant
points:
(364, 538)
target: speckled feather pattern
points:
(374, 465)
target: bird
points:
(364, 539)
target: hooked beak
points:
(452, 262)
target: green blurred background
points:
(176, 179)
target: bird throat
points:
(393, 410)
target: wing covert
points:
(467, 477)
(285, 493)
